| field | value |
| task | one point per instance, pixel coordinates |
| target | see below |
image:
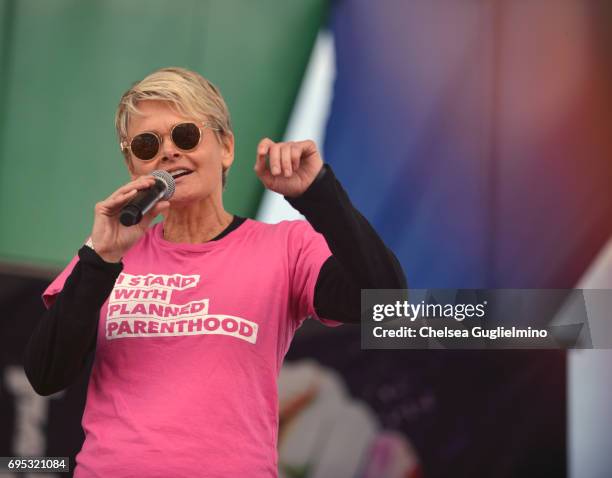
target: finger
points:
(142, 182)
(296, 153)
(121, 196)
(307, 146)
(113, 204)
(286, 160)
(160, 207)
(262, 151)
(155, 211)
(119, 199)
(274, 158)
(138, 183)
(264, 146)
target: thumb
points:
(155, 211)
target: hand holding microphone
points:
(162, 189)
(122, 218)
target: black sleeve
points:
(360, 259)
(58, 348)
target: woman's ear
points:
(227, 143)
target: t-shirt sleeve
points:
(308, 251)
(57, 285)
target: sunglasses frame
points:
(127, 143)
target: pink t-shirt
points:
(189, 347)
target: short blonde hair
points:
(191, 94)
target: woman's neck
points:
(195, 223)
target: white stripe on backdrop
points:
(308, 119)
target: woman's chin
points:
(182, 199)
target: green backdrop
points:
(65, 64)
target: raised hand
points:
(287, 168)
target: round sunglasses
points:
(186, 136)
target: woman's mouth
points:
(179, 173)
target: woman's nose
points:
(169, 149)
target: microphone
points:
(145, 199)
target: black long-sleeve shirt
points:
(59, 346)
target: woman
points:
(190, 319)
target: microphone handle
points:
(142, 203)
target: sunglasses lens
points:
(186, 136)
(145, 146)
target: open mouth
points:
(180, 173)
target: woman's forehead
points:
(154, 116)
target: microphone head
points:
(168, 180)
